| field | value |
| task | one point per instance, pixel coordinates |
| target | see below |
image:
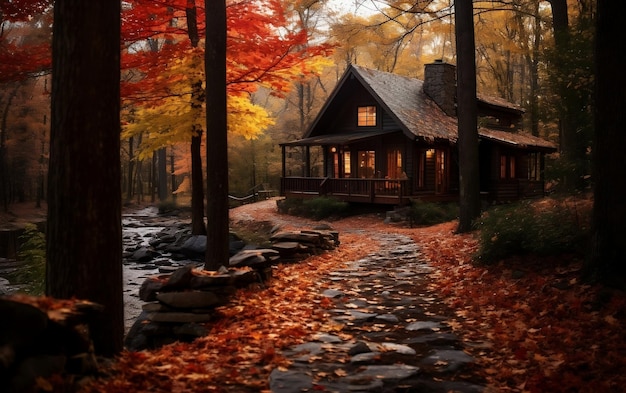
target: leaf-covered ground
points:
(531, 324)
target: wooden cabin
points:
(386, 139)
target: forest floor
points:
(547, 331)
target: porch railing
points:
(357, 189)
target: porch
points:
(398, 191)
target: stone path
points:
(391, 334)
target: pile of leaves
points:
(530, 322)
(244, 345)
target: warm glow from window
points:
(366, 116)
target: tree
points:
(84, 235)
(217, 247)
(607, 259)
(469, 207)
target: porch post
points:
(283, 161)
(307, 159)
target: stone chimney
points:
(440, 85)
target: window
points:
(394, 165)
(347, 172)
(533, 166)
(366, 116)
(507, 167)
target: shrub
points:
(552, 227)
(32, 252)
(317, 208)
(430, 213)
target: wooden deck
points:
(378, 191)
(397, 191)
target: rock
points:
(178, 317)
(366, 357)
(449, 359)
(189, 299)
(332, 293)
(194, 246)
(149, 289)
(387, 318)
(387, 372)
(327, 338)
(144, 254)
(398, 348)
(358, 348)
(179, 279)
(289, 381)
(254, 258)
(423, 325)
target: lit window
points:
(366, 116)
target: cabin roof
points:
(418, 116)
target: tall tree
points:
(608, 251)
(469, 182)
(84, 235)
(217, 248)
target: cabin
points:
(383, 138)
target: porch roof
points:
(516, 139)
(337, 139)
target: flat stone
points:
(388, 372)
(327, 338)
(178, 317)
(423, 325)
(190, 299)
(452, 359)
(398, 348)
(361, 316)
(366, 357)
(289, 381)
(387, 318)
(332, 293)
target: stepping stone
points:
(387, 372)
(398, 348)
(332, 293)
(366, 357)
(387, 318)
(423, 325)
(450, 358)
(289, 381)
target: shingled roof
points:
(419, 116)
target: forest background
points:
(284, 59)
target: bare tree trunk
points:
(217, 253)
(469, 180)
(84, 235)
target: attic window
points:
(366, 116)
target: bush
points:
(552, 227)
(32, 251)
(317, 208)
(430, 213)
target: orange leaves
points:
(547, 331)
(244, 345)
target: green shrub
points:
(430, 213)
(552, 228)
(32, 252)
(317, 208)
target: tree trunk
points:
(469, 180)
(84, 235)
(607, 260)
(197, 98)
(162, 174)
(217, 253)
